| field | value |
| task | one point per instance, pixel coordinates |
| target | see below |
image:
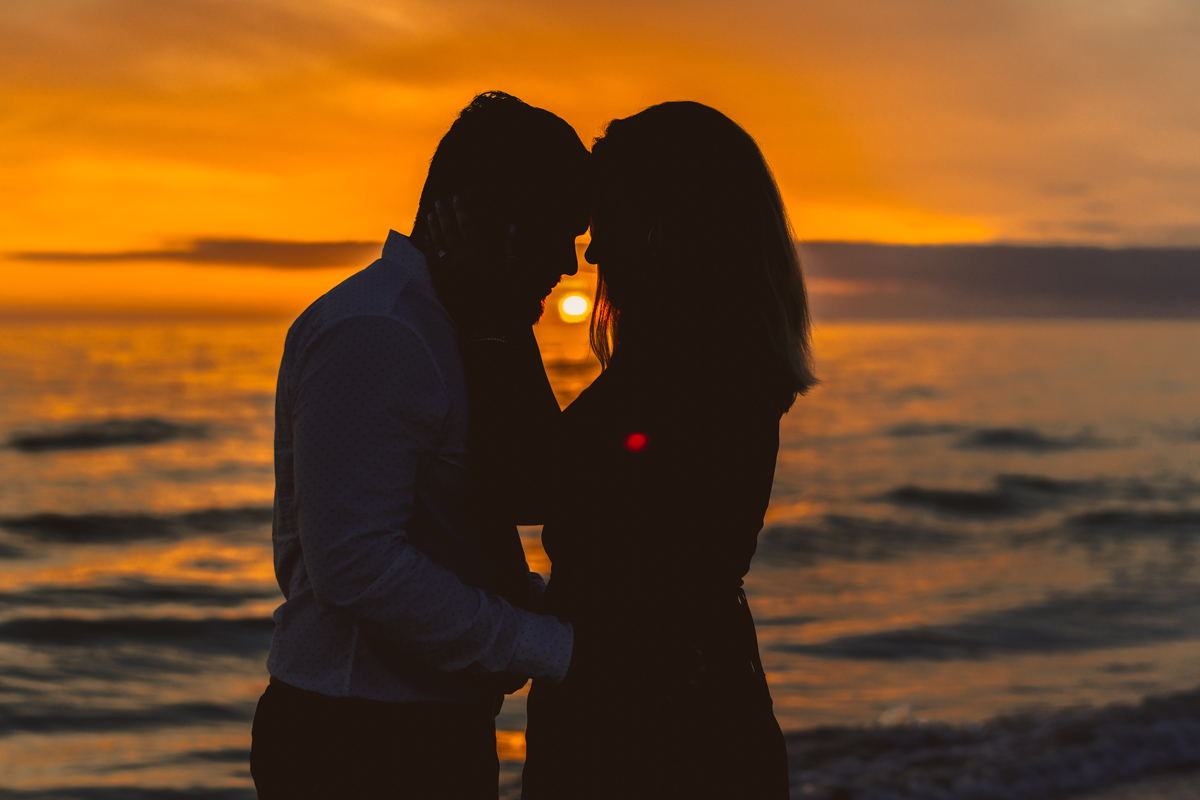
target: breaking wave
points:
(1018, 757)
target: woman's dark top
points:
(662, 473)
(664, 479)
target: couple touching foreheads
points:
(416, 428)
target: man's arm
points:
(368, 410)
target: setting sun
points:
(574, 308)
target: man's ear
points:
(490, 216)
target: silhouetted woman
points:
(665, 464)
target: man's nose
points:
(570, 266)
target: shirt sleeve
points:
(369, 407)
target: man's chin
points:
(536, 310)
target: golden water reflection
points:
(1131, 387)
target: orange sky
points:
(132, 125)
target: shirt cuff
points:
(543, 647)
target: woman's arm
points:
(514, 419)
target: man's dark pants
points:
(308, 745)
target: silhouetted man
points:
(407, 593)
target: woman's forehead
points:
(559, 220)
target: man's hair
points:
(511, 158)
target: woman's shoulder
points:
(685, 391)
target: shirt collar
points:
(398, 247)
(399, 250)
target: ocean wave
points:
(1011, 495)
(783, 621)
(915, 392)
(127, 793)
(61, 718)
(114, 528)
(848, 538)
(569, 367)
(1177, 434)
(1129, 522)
(906, 430)
(1043, 486)
(8, 551)
(1098, 620)
(56, 667)
(239, 636)
(1020, 757)
(136, 593)
(51, 670)
(227, 755)
(956, 501)
(105, 433)
(1026, 439)
(1005, 438)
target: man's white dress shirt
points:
(373, 550)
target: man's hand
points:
(475, 286)
(537, 590)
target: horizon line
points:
(297, 254)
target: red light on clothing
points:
(636, 442)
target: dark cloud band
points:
(887, 281)
(922, 281)
(232, 252)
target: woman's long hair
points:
(724, 250)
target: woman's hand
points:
(475, 287)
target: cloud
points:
(232, 252)
(906, 281)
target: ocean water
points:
(978, 579)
